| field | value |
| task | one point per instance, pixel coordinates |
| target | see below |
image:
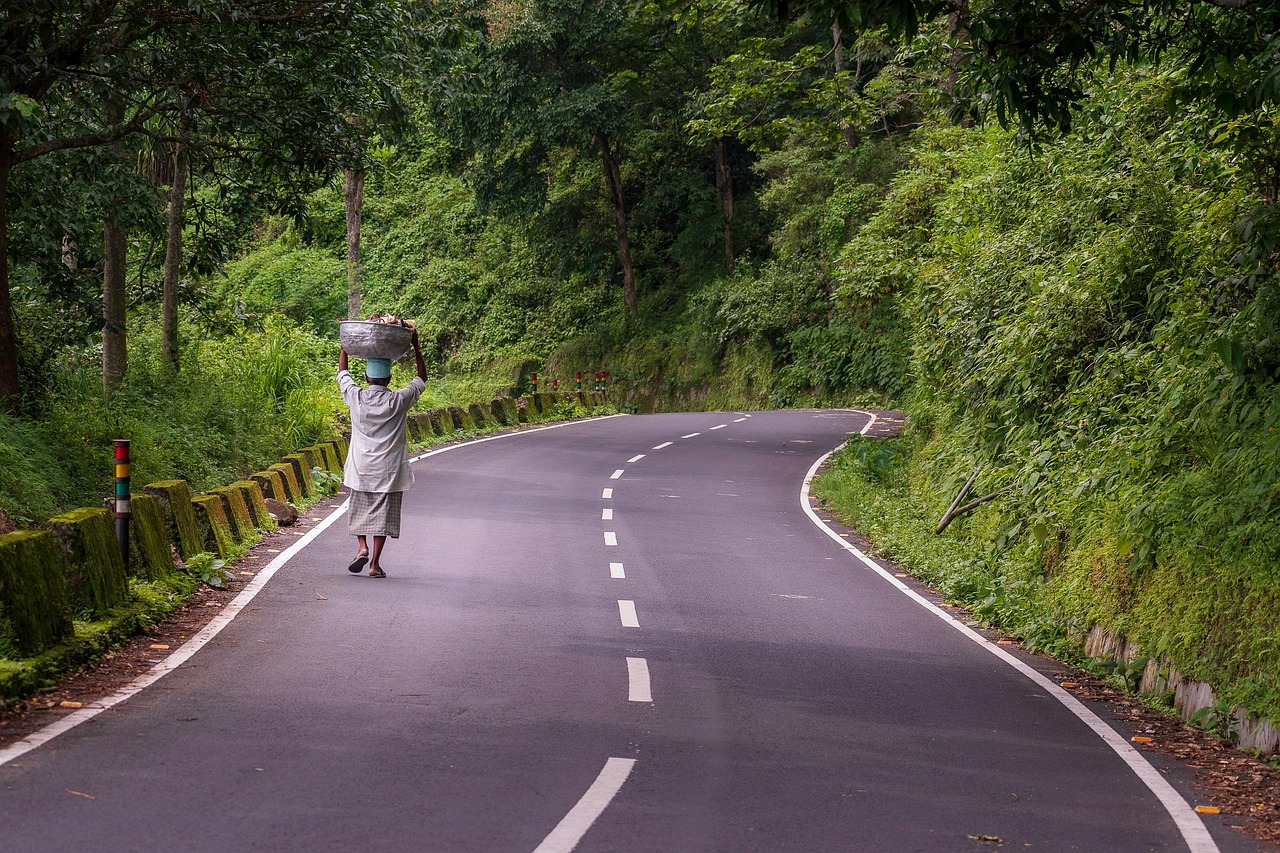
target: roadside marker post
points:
(577, 377)
(124, 510)
(534, 379)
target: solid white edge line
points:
(610, 538)
(216, 624)
(616, 474)
(616, 571)
(638, 688)
(636, 458)
(664, 444)
(177, 658)
(627, 612)
(575, 824)
(606, 514)
(606, 495)
(1193, 830)
(691, 435)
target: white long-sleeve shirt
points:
(378, 459)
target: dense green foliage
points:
(245, 402)
(724, 209)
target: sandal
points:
(358, 564)
(377, 573)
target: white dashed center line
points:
(664, 444)
(691, 435)
(638, 689)
(627, 610)
(616, 474)
(607, 495)
(636, 458)
(606, 514)
(615, 571)
(610, 538)
(739, 420)
(722, 426)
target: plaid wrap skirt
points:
(375, 513)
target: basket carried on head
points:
(365, 339)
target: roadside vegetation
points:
(1051, 240)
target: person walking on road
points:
(377, 470)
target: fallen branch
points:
(951, 510)
(955, 512)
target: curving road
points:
(624, 634)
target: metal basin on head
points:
(363, 339)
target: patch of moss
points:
(33, 587)
(175, 500)
(302, 474)
(255, 500)
(289, 481)
(441, 422)
(96, 581)
(215, 530)
(150, 549)
(237, 512)
(149, 602)
(330, 455)
(463, 419)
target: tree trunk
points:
(837, 46)
(173, 255)
(9, 388)
(115, 353)
(353, 195)
(724, 190)
(613, 180)
(115, 348)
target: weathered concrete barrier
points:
(96, 582)
(255, 502)
(442, 422)
(1160, 679)
(237, 514)
(272, 485)
(175, 501)
(215, 529)
(462, 418)
(33, 587)
(150, 547)
(481, 415)
(302, 473)
(289, 477)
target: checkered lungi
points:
(375, 513)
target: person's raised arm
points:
(342, 360)
(417, 356)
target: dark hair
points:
(383, 382)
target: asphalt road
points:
(629, 625)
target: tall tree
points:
(271, 77)
(527, 83)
